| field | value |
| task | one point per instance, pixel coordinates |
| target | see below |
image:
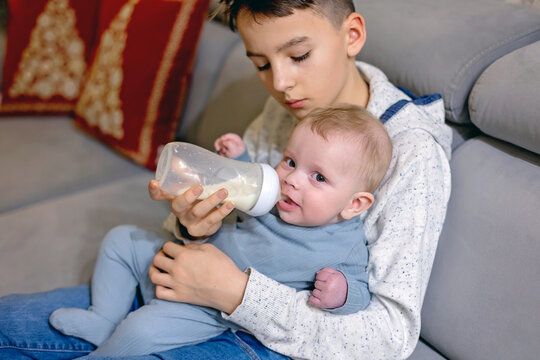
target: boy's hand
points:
(230, 145)
(330, 289)
(200, 218)
(198, 274)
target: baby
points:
(332, 165)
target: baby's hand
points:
(230, 145)
(330, 289)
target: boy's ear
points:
(360, 202)
(356, 33)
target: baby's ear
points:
(360, 202)
(356, 33)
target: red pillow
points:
(48, 48)
(135, 89)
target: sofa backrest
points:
(444, 46)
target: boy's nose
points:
(282, 79)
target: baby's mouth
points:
(286, 203)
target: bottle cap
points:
(269, 194)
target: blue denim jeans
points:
(25, 333)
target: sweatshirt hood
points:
(401, 110)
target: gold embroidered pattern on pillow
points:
(53, 63)
(100, 102)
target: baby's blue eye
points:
(290, 163)
(318, 177)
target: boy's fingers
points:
(183, 202)
(202, 209)
(159, 278)
(192, 194)
(217, 216)
(165, 293)
(170, 250)
(156, 193)
(162, 262)
(212, 222)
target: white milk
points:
(243, 196)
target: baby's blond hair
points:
(354, 123)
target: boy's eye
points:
(318, 177)
(301, 57)
(290, 162)
(294, 58)
(264, 67)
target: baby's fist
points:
(330, 289)
(230, 145)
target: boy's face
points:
(302, 60)
(318, 178)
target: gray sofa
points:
(61, 190)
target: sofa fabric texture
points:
(58, 239)
(46, 158)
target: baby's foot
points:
(84, 324)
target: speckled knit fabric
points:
(402, 229)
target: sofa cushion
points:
(443, 46)
(55, 243)
(136, 86)
(49, 47)
(43, 158)
(482, 297)
(504, 102)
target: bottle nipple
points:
(269, 193)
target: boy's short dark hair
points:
(335, 10)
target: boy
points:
(324, 191)
(305, 54)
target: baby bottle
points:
(252, 187)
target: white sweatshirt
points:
(402, 229)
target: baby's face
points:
(318, 178)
